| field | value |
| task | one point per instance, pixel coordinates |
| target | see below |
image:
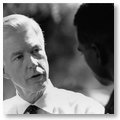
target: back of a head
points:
(95, 30)
(95, 23)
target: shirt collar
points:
(45, 102)
(22, 104)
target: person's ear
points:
(5, 74)
(97, 53)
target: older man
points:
(26, 65)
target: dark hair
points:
(95, 24)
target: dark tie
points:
(109, 108)
(32, 109)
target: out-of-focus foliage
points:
(67, 68)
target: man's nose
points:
(32, 62)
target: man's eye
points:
(79, 49)
(36, 50)
(19, 57)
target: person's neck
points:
(30, 96)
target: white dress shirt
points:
(56, 101)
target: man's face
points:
(25, 60)
(89, 55)
(94, 62)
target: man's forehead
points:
(8, 32)
(22, 43)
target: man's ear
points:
(97, 53)
(5, 74)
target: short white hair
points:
(21, 23)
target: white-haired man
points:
(26, 65)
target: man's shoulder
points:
(81, 101)
(71, 94)
(10, 104)
(10, 100)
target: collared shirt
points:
(56, 101)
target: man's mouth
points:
(37, 75)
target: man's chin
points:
(39, 88)
(39, 85)
(104, 81)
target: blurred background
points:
(68, 68)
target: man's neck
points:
(30, 96)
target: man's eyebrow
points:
(37, 46)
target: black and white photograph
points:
(58, 58)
